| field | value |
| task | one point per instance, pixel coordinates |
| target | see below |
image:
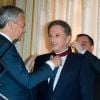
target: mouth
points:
(53, 45)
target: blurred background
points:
(82, 15)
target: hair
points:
(89, 38)
(9, 13)
(63, 24)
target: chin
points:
(56, 50)
(17, 40)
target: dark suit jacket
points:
(76, 80)
(94, 61)
(15, 82)
(95, 65)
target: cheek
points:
(49, 40)
(18, 33)
(85, 47)
(63, 42)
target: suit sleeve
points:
(16, 69)
(87, 80)
(35, 92)
(94, 61)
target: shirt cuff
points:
(51, 64)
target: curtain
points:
(7, 2)
(82, 15)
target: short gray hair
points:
(9, 13)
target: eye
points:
(57, 35)
(49, 35)
(84, 44)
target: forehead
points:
(21, 17)
(56, 28)
(82, 39)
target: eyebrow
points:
(84, 42)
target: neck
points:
(6, 31)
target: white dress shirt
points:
(59, 70)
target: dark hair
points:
(89, 38)
(9, 13)
(63, 24)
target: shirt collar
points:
(63, 51)
(6, 36)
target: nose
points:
(24, 30)
(53, 39)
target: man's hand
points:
(56, 60)
(30, 63)
(77, 46)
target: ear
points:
(10, 24)
(68, 39)
(10, 28)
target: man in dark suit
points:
(74, 79)
(15, 81)
(84, 44)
